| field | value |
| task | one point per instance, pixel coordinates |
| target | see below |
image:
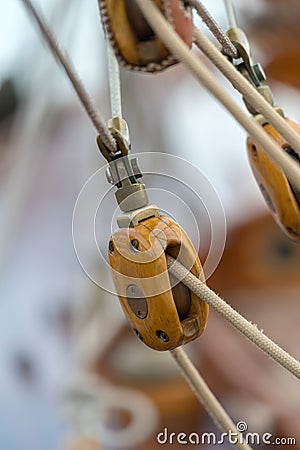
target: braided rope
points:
(213, 26)
(207, 398)
(114, 82)
(239, 322)
(230, 13)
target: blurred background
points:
(72, 375)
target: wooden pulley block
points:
(282, 198)
(135, 44)
(162, 311)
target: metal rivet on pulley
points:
(162, 336)
(267, 197)
(293, 232)
(137, 301)
(138, 334)
(111, 247)
(135, 244)
(254, 151)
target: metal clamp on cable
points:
(252, 71)
(123, 172)
(118, 128)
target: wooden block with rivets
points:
(161, 310)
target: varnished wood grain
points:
(274, 185)
(147, 269)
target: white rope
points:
(79, 88)
(114, 82)
(207, 398)
(230, 13)
(175, 44)
(239, 322)
(247, 90)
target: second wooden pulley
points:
(281, 196)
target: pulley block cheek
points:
(161, 310)
(281, 197)
(134, 42)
